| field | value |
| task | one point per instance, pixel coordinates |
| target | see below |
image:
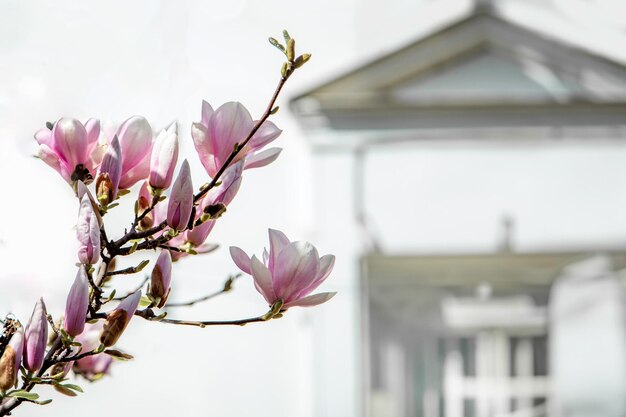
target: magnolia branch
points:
(228, 286)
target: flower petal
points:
(266, 133)
(70, 141)
(262, 158)
(135, 136)
(327, 262)
(44, 137)
(241, 259)
(207, 111)
(311, 300)
(295, 268)
(229, 124)
(204, 147)
(278, 241)
(262, 280)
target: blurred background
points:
(464, 160)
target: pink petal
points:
(135, 136)
(229, 124)
(327, 262)
(70, 141)
(207, 111)
(262, 158)
(262, 280)
(226, 191)
(138, 173)
(295, 269)
(52, 159)
(266, 134)
(206, 248)
(198, 234)
(241, 259)
(311, 300)
(92, 127)
(204, 148)
(44, 137)
(278, 241)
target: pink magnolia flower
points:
(11, 360)
(118, 319)
(92, 366)
(289, 272)
(135, 137)
(164, 157)
(77, 304)
(181, 199)
(218, 132)
(36, 338)
(68, 148)
(88, 233)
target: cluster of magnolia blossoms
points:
(169, 218)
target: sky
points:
(115, 59)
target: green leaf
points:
(118, 354)
(73, 387)
(31, 396)
(44, 402)
(145, 301)
(277, 44)
(286, 36)
(142, 265)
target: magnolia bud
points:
(77, 304)
(143, 203)
(161, 278)
(36, 338)
(11, 359)
(108, 179)
(163, 158)
(88, 233)
(181, 199)
(118, 319)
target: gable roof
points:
(468, 73)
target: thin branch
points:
(228, 285)
(140, 286)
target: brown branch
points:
(228, 285)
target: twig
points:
(228, 285)
(140, 286)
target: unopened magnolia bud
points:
(11, 359)
(143, 203)
(77, 304)
(181, 199)
(108, 180)
(163, 159)
(118, 319)
(161, 278)
(36, 337)
(104, 188)
(88, 233)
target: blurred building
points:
(480, 331)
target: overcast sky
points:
(160, 59)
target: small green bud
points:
(291, 50)
(302, 59)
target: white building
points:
(449, 305)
